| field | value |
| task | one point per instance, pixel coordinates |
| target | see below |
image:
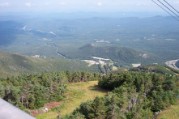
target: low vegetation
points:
(76, 94)
(171, 112)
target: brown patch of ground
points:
(47, 107)
(52, 105)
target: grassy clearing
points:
(171, 113)
(76, 94)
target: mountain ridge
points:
(16, 64)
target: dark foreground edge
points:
(8, 111)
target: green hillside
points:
(118, 54)
(15, 64)
(154, 68)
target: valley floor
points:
(76, 94)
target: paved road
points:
(172, 64)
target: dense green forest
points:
(140, 93)
(135, 95)
(33, 91)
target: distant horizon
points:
(85, 14)
(146, 7)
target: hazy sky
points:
(81, 5)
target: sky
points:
(81, 6)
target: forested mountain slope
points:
(15, 64)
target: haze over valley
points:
(125, 41)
